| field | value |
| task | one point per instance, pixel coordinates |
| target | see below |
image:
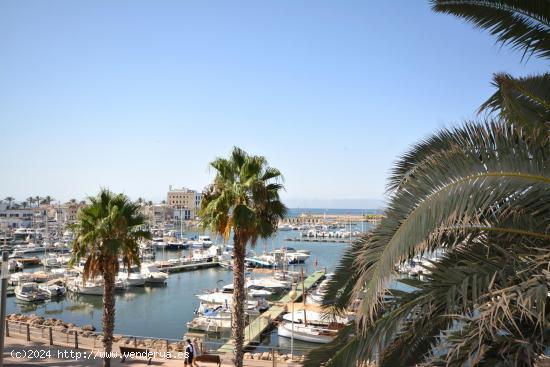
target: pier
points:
(263, 322)
(188, 267)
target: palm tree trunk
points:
(108, 314)
(239, 298)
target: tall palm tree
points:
(525, 25)
(107, 229)
(243, 199)
(10, 200)
(48, 199)
(482, 193)
(37, 200)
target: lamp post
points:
(292, 296)
(4, 276)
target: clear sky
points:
(137, 95)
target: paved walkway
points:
(17, 352)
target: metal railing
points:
(60, 336)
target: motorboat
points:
(285, 227)
(89, 287)
(152, 274)
(19, 278)
(226, 299)
(51, 261)
(54, 289)
(30, 292)
(133, 277)
(307, 333)
(205, 241)
(211, 319)
(29, 248)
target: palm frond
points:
(524, 24)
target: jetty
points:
(262, 323)
(177, 268)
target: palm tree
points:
(525, 25)
(107, 229)
(37, 200)
(48, 199)
(10, 200)
(482, 193)
(243, 198)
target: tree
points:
(48, 199)
(481, 192)
(525, 25)
(107, 229)
(10, 200)
(243, 199)
(30, 200)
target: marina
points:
(167, 309)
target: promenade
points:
(16, 348)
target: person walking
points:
(189, 353)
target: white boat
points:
(134, 278)
(90, 287)
(54, 289)
(29, 292)
(226, 299)
(50, 261)
(205, 241)
(29, 248)
(309, 333)
(210, 323)
(152, 274)
(254, 286)
(316, 318)
(211, 319)
(18, 278)
(285, 227)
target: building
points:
(184, 202)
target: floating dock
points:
(188, 267)
(263, 322)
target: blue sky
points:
(137, 95)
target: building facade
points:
(184, 202)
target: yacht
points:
(29, 248)
(89, 287)
(30, 292)
(152, 274)
(211, 319)
(54, 289)
(226, 299)
(132, 278)
(205, 241)
(308, 333)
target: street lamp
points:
(292, 296)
